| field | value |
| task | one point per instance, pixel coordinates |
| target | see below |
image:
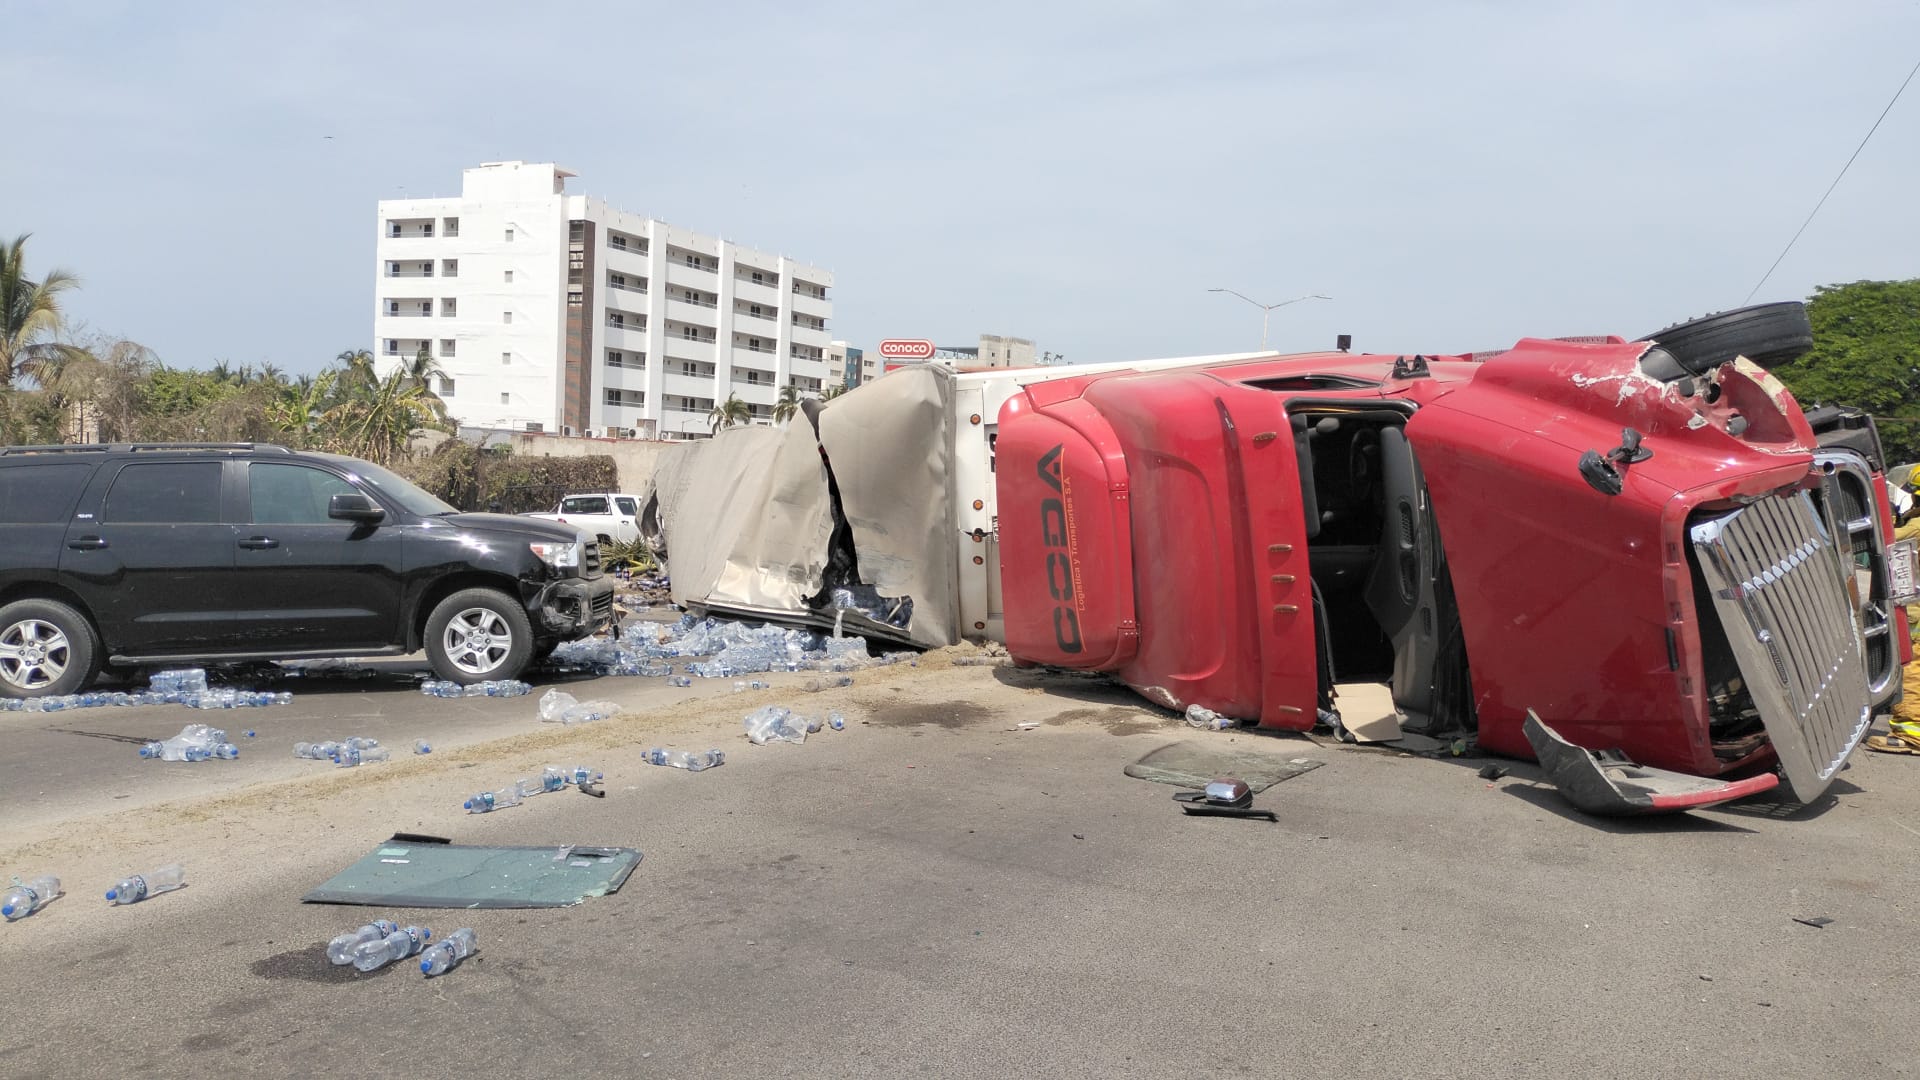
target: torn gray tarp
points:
(745, 519)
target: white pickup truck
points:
(607, 516)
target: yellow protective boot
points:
(1903, 726)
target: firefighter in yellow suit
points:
(1903, 726)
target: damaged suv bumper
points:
(572, 609)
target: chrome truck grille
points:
(1782, 590)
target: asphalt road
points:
(934, 893)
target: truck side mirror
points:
(356, 508)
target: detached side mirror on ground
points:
(355, 507)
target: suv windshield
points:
(411, 498)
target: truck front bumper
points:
(572, 609)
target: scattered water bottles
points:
(686, 759)
(395, 946)
(444, 955)
(196, 742)
(576, 775)
(527, 786)
(29, 896)
(1208, 720)
(489, 801)
(317, 751)
(340, 949)
(491, 688)
(178, 681)
(350, 756)
(132, 890)
(558, 706)
(421, 746)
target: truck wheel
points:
(46, 649)
(1767, 334)
(479, 634)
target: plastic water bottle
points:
(353, 755)
(317, 751)
(681, 681)
(395, 946)
(358, 742)
(527, 787)
(179, 680)
(1208, 720)
(442, 689)
(29, 896)
(686, 759)
(488, 801)
(340, 949)
(134, 889)
(226, 751)
(836, 721)
(443, 955)
(421, 746)
(576, 774)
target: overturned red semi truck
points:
(1647, 544)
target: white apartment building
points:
(550, 311)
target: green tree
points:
(787, 406)
(30, 316)
(729, 412)
(1866, 353)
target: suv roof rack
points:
(132, 448)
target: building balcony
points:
(760, 393)
(679, 273)
(679, 348)
(767, 315)
(627, 302)
(633, 331)
(761, 358)
(406, 313)
(687, 312)
(699, 386)
(766, 295)
(804, 304)
(629, 286)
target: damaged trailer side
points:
(842, 518)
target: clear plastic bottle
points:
(352, 755)
(836, 721)
(139, 887)
(226, 751)
(359, 742)
(686, 759)
(527, 787)
(1208, 720)
(29, 896)
(488, 801)
(340, 949)
(422, 746)
(444, 955)
(395, 946)
(317, 751)
(575, 774)
(681, 681)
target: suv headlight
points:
(558, 556)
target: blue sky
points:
(1454, 176)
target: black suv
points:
(124, 555)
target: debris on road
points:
(1224, 797)
(777, 723)
(445, 955)
(178, 681)
(1817, 922)
(560, 707)
(1195, 764)
(29, 896)
(340, 950)
(1606, 783)
(686, 759)
(350, 756)
(422, 746)
(489, 801)
(491, 688)
(1208, 720)
(398, 945)
(426, 872)
(132, 890)
(196, 742)
(1494, 772)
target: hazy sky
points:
(1454, 175)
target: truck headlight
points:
(558, 556)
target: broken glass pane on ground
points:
(409, 872)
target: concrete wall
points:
(634, 458)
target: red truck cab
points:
(1643, 543)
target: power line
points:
(1835, 184)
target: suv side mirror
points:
(355, 507)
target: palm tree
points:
(788, 404)
(300, 407)
(730, 412)
(379, 423)
(30, 315)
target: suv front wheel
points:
(46, 649)
(479, 634)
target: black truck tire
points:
(479, 634)
(1767, 334)
(46, 649)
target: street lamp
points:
(1267, 309)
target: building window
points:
(446, 386)
(393, 228)
(393, 347)
(448, 268)
(759, 278)
(506, 358)
(616, 320)
(453, 226)
(691, 333)
(503, 399)
(393, 307)
(446, 346)
(449, 307)
(506, 316)
(509, 234)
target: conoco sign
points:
(906, 349)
